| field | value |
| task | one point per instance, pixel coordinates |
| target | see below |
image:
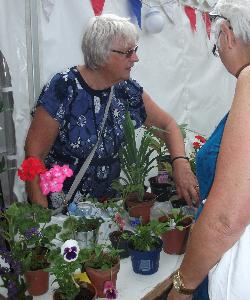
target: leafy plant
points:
(176, 219)
(103, 257)
(25, 230)
(72, 225)
(145, 237)
(65, 260)
(135, 162)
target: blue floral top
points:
(79, 110)
(206, 160)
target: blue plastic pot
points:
(145, 263)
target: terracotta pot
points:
(98, 277)
(87, 292)
(175, 241)
(37, 282)
(140, 209)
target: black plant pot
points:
(120, 243)
(163, 191)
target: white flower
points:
(70, 250)
(172, 224)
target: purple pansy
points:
(70, 250)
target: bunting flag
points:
(207, 22)
(136, 6)
(97, 6)
(190, 12)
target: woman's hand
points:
(173, 295)
(186, 183)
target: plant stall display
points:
(145, 247)
(28, 238)
(135, 164)
(177, 227)
(64, 263)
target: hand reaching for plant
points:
(186, 182)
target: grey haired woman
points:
(220, 240)
(71, 107)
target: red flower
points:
(31, 167)
(201, 139)
(196, 145)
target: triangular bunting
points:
(97, 6)
(136, 6)
(190, 12)
(207, 22)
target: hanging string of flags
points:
(169, 6)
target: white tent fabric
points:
(176, 65)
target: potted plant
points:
(177, 227)
(84, 230)
(162, 184)
(65, 260)
(135, 164)
(29, 237)
(145, 247)
(102, 268)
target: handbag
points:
(88, 160)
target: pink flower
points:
(109, 290)
(45, 187)
(66, 171)
(55, 185)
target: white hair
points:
(100, 35)
(238, 14)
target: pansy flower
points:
(109, 290)
(70, 250)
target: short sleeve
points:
(56, 96)
(132, 94)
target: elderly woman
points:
(220, 240)
(71, 108)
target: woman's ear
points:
(228, 34)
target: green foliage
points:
(63, 272)
(135, 162)
(24, 227)
(145, 237)
(103, 257)
(72, 225)
(176, 219)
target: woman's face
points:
(120, 61)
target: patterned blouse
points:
(79, 110)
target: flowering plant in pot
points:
(145, 247)
(136, 163)
(29, 238)
(176, 231)
(65, 260)
(197, 144)
(102, 268)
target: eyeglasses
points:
(128, 53)
(212, 18)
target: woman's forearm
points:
(34, 193)
(211, 237)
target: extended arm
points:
(183, 176)
(226, 213)
(41, 136)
